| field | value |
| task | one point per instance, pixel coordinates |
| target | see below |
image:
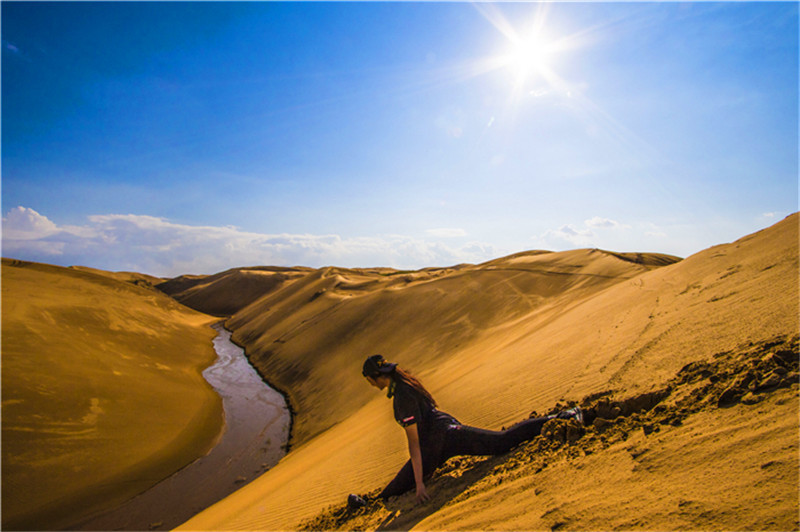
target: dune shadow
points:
(455, 477)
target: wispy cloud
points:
(446, 232)
(14, 50)
(11, 47)
(161, 247)
(605, 223)
(583, 235)
(569, 234)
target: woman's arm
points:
(416, 461)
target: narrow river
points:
(256, 432)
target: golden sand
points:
(494, 342)
(102, 392)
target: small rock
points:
(770, 360)
(730, 396)
(240, 480)
(791, 378)
(770, 381)
(601, 423)
(750, 398)
(575, 431)
(788, 356)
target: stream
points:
(254, 439)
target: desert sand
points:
(102, 393)
(496, 341)
(225, 293)
(690, 367)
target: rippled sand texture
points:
(494, 342)
(102, 392)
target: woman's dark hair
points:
(376, 365)
(404, 376)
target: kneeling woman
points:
(434, 436)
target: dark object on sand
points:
(354, 501)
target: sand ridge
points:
(211, 294)
(493, 342)
(102, 392)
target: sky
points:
(179, 137)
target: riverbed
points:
(254, 439)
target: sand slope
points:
(494, 342)
(102, 392)
(225, 293)
(312, 335)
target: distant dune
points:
(496, 341)
(224, 294)
(139, 279)
(102, 391)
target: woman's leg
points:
(464, 440)
(402, 482)
(404, 479)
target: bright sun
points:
(529, 56)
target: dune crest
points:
(494, 342)
(212, 293)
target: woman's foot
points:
(355, 501)
(572, 413)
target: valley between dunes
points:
(691, 366)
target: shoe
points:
(574, 412)
(354, 501)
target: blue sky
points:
(185, 137)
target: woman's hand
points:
(416, 462)
(422, 493)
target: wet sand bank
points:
(254, 439)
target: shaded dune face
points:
(102, 392)
(225, 293)
(494, 342)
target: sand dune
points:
(312, 335)
(139, 279)
(102, 392)
(224, 294)
(494, 342)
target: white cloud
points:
(589, 234)
(605, 223)
(569, 234)
(157, 246)
(446, 232)
(23, 223)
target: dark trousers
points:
(461, 440)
